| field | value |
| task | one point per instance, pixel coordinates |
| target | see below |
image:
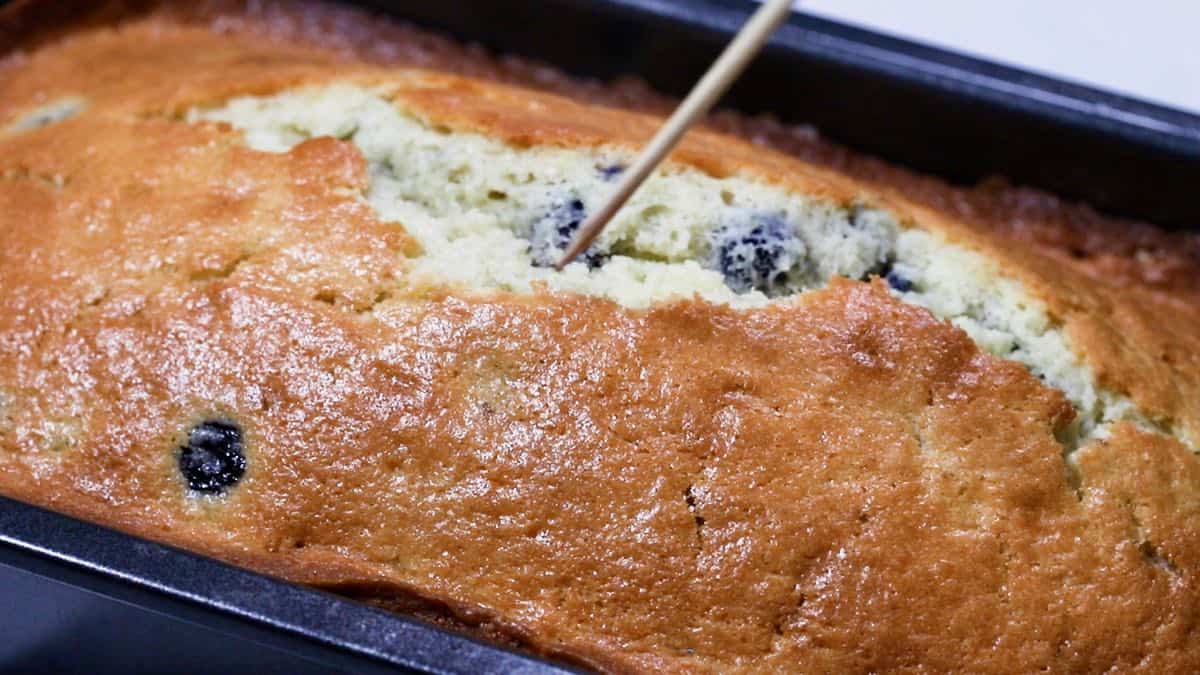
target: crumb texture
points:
(273, 295)
(493, 216)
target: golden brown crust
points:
(846, 484)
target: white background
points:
(1149, 49)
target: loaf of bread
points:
(277, 288)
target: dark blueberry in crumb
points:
(894, 279)
(758, 253)
(214, 457)
(550, 235)
(612, 171)
(898, 282)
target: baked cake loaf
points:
(276, 288)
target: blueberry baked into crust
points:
(273, 293)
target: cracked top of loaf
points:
(275, 288)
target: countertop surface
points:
(1144, 49)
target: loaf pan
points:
(83, 598)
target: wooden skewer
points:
(702, 97)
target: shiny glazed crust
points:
(845, 483)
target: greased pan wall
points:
(936, 111)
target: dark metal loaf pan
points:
(75, 597)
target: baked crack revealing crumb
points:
(287, 302)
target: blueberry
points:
(888, 273)
(214, 457)
(551, 234)
(611, 171)
(758, 253)
(898, 282)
